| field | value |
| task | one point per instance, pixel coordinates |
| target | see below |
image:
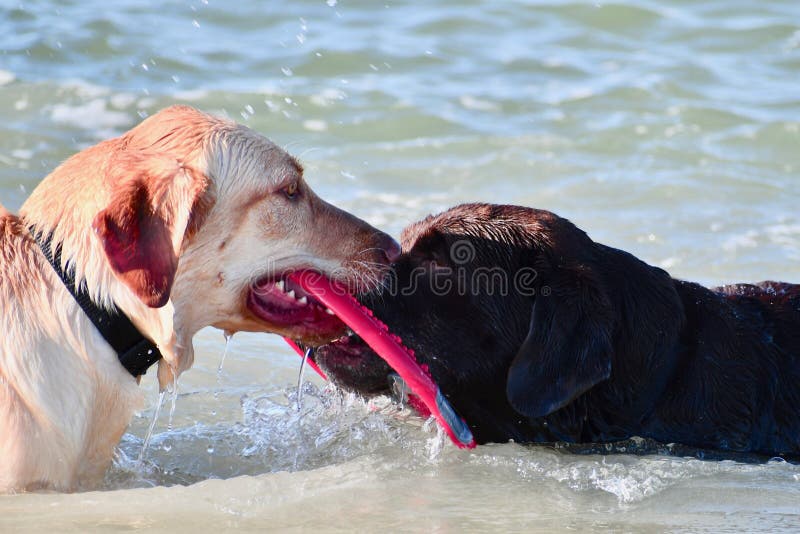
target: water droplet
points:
(286, 71)
(195, 23)
(331, 3)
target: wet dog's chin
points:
(352, 365)
(290, 311)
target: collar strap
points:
(136, 353)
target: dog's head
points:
(510, 308)
(197, 221)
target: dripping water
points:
(150, 428)
(228, 336)
(308, 352)
(173, 400)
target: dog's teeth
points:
(280, 285)
(329, 311)
(291, 293)
(303, 300)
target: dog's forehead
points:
(246, 161)
(414, 232)
(464, 220)
(256, 147)
(488, 222)
(420, 232)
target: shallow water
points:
(670, 129)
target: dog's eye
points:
(290, 190)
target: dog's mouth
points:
(350, 363)
(290, 310)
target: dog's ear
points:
(568, 348)
(154, 200)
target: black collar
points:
(136, 353)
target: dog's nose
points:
(391, 248)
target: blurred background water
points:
(669, 129)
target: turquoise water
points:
(669, 129)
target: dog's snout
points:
(391, 248)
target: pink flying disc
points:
(389, 347)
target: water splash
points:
(308, 352)
(435, 444)
(149, 435)
(272, 435)
(173, 400)
(399, 389)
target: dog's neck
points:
(135, 352)
(106, 295)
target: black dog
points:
(536, 333)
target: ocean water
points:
(669, 129)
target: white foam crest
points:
(787, 235)
(6, 77)
(630, 478)
(327, 97)
(84, 89)
(748, 239)
(315, 125)
(22, 153)
(122, 100)
(478, 104)
(191, 95)
(92, 115)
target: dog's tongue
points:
(389, 347)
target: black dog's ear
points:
(430, 248)
(568, 348)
